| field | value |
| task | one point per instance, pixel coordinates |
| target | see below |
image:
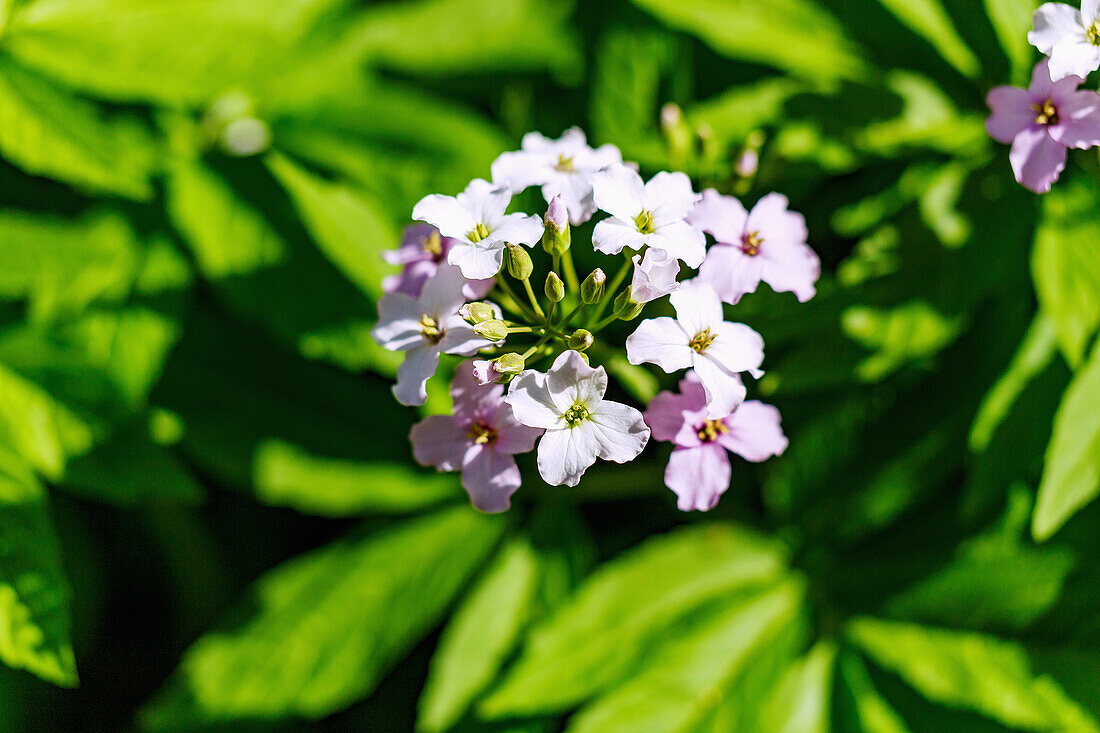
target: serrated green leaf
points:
(1071, 475)
(596, 638)
(347, 225)
(794, 35)
(682, 682)
(1065, 268)
(47, 132)
(483, 631)
(34, 594)
(227, 235)
(285, 475)
(971, 671)
(323, 628)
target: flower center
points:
(644, 222)
(711, 429)
(478, 233)
(702, 340)
(750, 243)
(578, 413)
(429, 328)
(565, 165)
(482, 433)
(432, 245)
(1045, 113)
(1093, 33)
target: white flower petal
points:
(723, 217)
(518, 229)
(1090, 12)
(670, 197)
(518, 170)
(413, 374)
(611, 235)
(442, 294)
(697, 307)
(1053, 23)
(681, 240)
(621, 432)
(564, 455)
(736, 347)
(445, 213)
(724, 390)
(531, 402)
(477, 261)
(1073, 58)
(486, 202)
(459, 338)
(659, 341)
(571, 381)
(398, 326)
(620, 192)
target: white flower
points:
(698, 337)
(1070, 37)
(423, 328)
(654, 276)
(476, 219)
(563, 167)
(647, 214)
(580, 424)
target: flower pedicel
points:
(537, 376)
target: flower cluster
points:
(1043, 121)
(465, 288)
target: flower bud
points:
(625, 307)
(592, 287)
(493, 329)
(555, 288)
(580, 340)
(677, 133)
(475, 313)
(518, 262)
(485, 372)
(556, 237)
(510, 363)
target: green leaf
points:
(1035, 353)
(794, 35)
(860, 706)
(1012, 19)
(322, 629)
(227, 235)
(479, 637)
(683, 679)
(49, 133)
(347, 225)
(900, 335)
(34, 594)
(972, 672)
(929, 19)
(597, 637)
(285, 475)
(1065, 268)
(801, 702)
(460, 36)
(1071, 475)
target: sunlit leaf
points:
(861, 706)
(801, 702)
(929, 19)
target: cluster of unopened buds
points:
(1043, 121)
(465, 288)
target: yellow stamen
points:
(1045, 113)
(711, 430)
(644, 222)
(478, 233)
(429, 328)
(702, 340)
(578, 413)
(565, 165)
(482, 433)
(432, 244)
(750, 243)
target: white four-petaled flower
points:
(699, 338)
(562, 167)
(647, 214)
(475, 218)
(1070, 37)
(580, 424)
(423, 328)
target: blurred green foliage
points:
(208, 510)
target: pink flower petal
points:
(699, 476)
(754, 432)
(1037, 159)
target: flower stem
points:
(532, 298)
(609, 294)
(570, 272)
(516, 304)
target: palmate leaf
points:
(483, 631)
(598, 636)
(794, 35)
(322, 629)
(972, 672)
(1071, 477)
(34, 594)
(48, 132)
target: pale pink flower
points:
(479, 440)
(647, 214)
(699, 338)
(1041, 122)
(475, 219)
(562, 167)
(699, 469)
(580, 424)
(420, 254)
(767, 244)
(654, 276)
(423, 328)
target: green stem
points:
(609, 293)
(532, 298)
(570, 272)
(517, 304)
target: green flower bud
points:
(518, 262)
(580, 340)
(476, 313)
(592, 287)
(493, 329)
(556, 237)
(625, 308)
(510, 363)
(554, 288)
